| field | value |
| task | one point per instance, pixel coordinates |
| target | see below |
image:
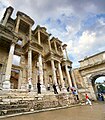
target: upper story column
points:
(6, 83)
(39, 41)
(30, 32)
(7, 14)
(49, 43)
(55, 47)
(65, 51)
(17, 24)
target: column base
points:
(63, 89)
(23, 86)
(43, 88)
(57, 88)
(6, 84)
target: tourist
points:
(76, 94)
(102, 97)
(99, 97)
(55, 89)
(29, 88)
(68, 89)
(39, 87)
(48, 86)
(88, 100)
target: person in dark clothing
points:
(39, 87)
(55, 89)
(102, 97)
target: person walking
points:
(88, 100)
(76, 94)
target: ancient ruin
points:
(40, 57)
(43, 60)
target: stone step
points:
(13, 111)
(8, 106)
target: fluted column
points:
(68, 76)
(54, 74)
(6, 83)
(30, 68)
(61, 77)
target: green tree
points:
(101, 88)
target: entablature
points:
(66, 62)
(7, 34)
(33, 46)
(53, 56)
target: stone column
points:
(7, 16)
(49, 44)
(66, 54)
(65, 51)
(30, 33)
(39, 41)
(73, 76)
(55, 47)
(61, 78)
(17, 25)
(41, 73)
(68, 76)
(54, 74)
(20, 79)
(22, 76)
(30, 69)
(43, 89)
(6, 83)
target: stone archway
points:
(90, 69)
(93, 78)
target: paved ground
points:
(94, 112)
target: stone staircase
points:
(14, 101)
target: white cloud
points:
(102, 21)
(83, 46)
(82, 38)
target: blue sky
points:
(78, 23)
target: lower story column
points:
(54, 75)
(6, 83)
(68, 76)
(30, 86)
(61, 78)
(43, 89)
